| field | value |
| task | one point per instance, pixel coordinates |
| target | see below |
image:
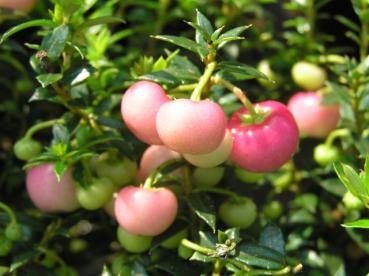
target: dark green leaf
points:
(22, 259)
(54, 43)
(239, 71)
(175, 266)
(60, 168)
(181, 42)
(26, 25)
(60, 134)
(77, 75)
(348, 23)
(271, 236)
(222, 237)
(202, 258)
(161, 77)
(233, 233)
(47, 79)
(204, 23)
(99, 21)
(44, 94)
(333, 185)
(207, 239)
(230, 35)
(259, 256)
(204, 208)
(361, 223)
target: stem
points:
(364, 35)
(52, 254)
(198, 248)
(152, 178)
(196, 94)
(218, 266)
(343, 132)
(310, 15)
(184, 88)
(220, 191)
(186, 180)
(9, 211)
(238, 92)
(42, 125)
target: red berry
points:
(146, 212)
(313, 118)
(139, 107)
(194, 127)
(266, 146)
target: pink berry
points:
(152, 158)
(194, 127)
(140, 104)
(47, 193)
(266, 146)
(147, 212)
(313, 119)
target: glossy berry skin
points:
(325, 154)
(120, 171)
(207, 177)
(175, 240)
(139, 107)
(273, 210)
(246, 176)
(96, 195)
(194, 127)
(147, 212)
(313, 119)
(152, 158)
(23, 5)
(267, 146)
(308, 75)
(133, 243)
(47, 193)
(27, 148)
(214, 158)
(238, 214)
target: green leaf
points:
(230, 35)
(260, 256)
(54, 43)
(239, 71)
(366, 173)
(160, 64)
(60, 134)
(202, 258)
(207, 239)
(348, 23)
(271, 236)
(354, 180)
(99, 21)
(204, 23)
(175, 266)
(44, 94)
(162, 77)
(22, 259)
(183, 69)
(181, 42)
(333, 186)
(26, 25)
(361, 223)
(204, 208)
(47, 79)
(216, 34)
(77, 75)
(59, 169)
(201, 35)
